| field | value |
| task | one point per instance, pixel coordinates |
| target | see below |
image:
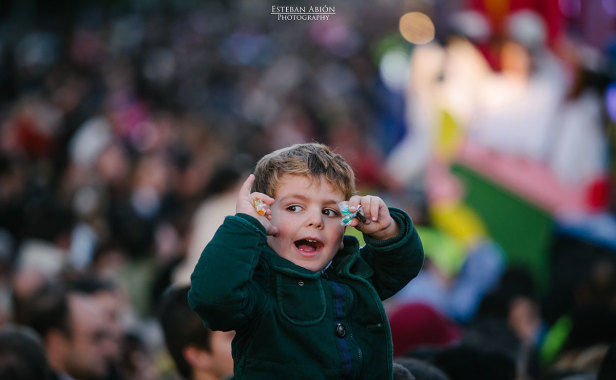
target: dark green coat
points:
(292, 323)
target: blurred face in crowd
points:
(111, 305)
(220, 351)
(85, 351)
(308, 220)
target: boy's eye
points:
(294, 208)
(331, 212)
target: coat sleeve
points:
(395, 261)
(222, 291)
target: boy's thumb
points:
(272, 230)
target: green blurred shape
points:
(521, 228)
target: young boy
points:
(304, 299)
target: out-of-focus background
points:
(126, 127)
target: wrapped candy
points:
(259, 206)
(347, 215)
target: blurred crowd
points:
(126, 127)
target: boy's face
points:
(308, 220)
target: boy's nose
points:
(315, 220)
(316, 225)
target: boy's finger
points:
(266, 198)
(272, 231)
(354, 202)
(247, 185)
(375, 207)
(366, 204)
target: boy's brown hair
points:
(312, 160)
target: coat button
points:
(340, 330)
(300, 283)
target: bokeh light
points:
(394, 70)
(417, 28)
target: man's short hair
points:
(89, 285)
(47, 309)
(181, 327)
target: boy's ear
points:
(197, 357)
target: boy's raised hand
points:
(246, 204)
(379, 224)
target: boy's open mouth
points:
(308, 245)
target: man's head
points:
(85, 348)
(73, 330)
(307, 182)
(197, 351)
(106, 293)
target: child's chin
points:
(313, 267)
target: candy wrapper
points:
(347, 215)
(259, 206)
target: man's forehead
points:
(85, 310)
